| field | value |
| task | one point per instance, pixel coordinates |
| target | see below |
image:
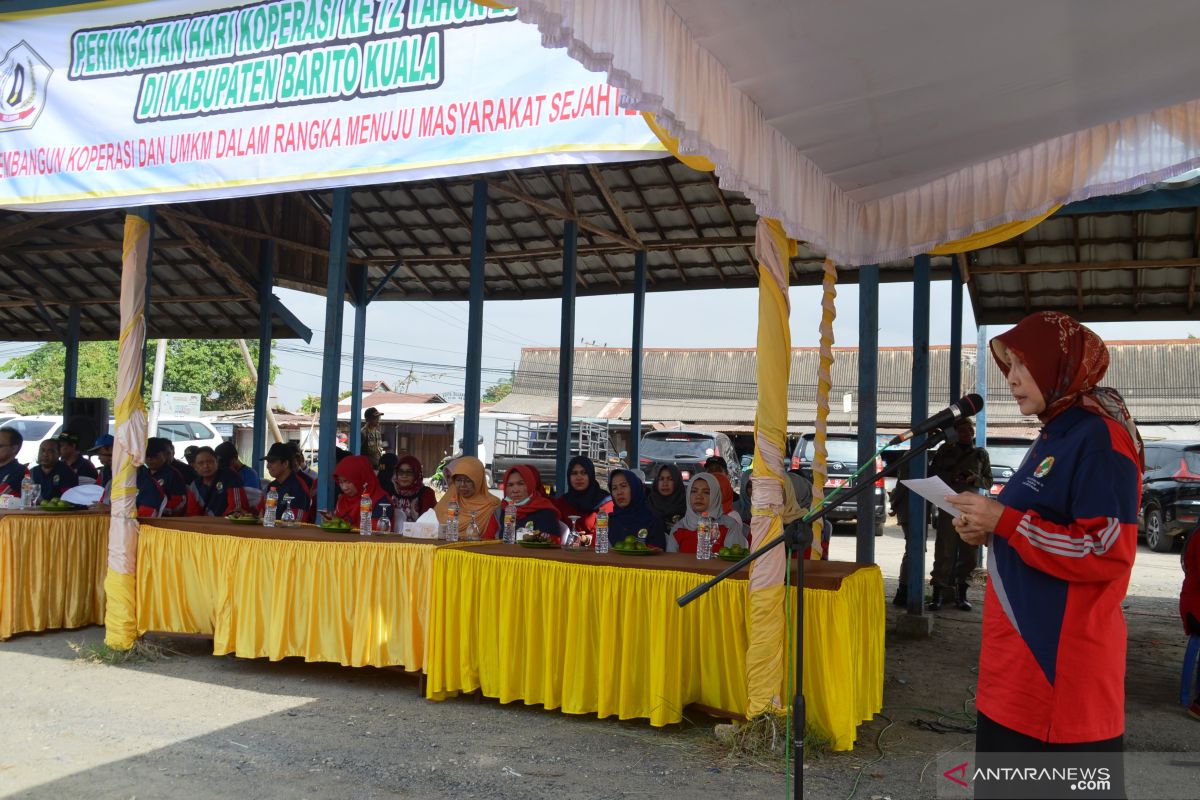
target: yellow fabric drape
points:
(51, 571)
(824, 385)
(765, 653)
(354, 603)
(496, 4)
(698, 163)
(996, 235)
(610, 641)
(129, 443)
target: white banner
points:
(128, 103)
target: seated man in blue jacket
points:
(50, 473)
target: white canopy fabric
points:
(876, 129)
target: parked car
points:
(686, 449)
(184, 431)
(842, 463)
(1170, 493)
(1006, 454)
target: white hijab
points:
(691, 519)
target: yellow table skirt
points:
(353, 603)
(612, 641)
(52, 569)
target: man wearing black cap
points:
(103, 450)
(372, 436)
(68, 451)
(285, 480)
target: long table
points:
(280, 592)
(603, 635)
(52, 567)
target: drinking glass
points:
(288, 518)
(384, 525)
(35, 495)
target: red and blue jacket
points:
(11, 475)
(83, 468)
(55, 481)
(225, 496)
(1052, 664)
(174, 488)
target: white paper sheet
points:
(934, 490)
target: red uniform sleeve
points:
(1092, 549)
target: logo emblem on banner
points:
(23, 78)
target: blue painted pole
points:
(266, 301)
(71, 371)
(473, 384)
(920, 410)
(983, 357)
(635, 368)
(360, 354)
(956, 316)
(335, 299)
(147, 213)
(868, 402)
(566, 356)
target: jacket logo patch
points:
(1044, 468)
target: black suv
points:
(687, 450)
(842, 461)
(1170, 492)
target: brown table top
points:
(38, 512)
(304, 533)
(817, 574)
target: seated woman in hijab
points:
(704, 495)
(215, 492)
(355, 477)
(523, 490)
(631, 512)
(475, 503)
(667, 499)
(584, 496)
(410, 496)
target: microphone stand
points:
(795, 546)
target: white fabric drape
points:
(646, 50)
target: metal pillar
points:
(983, 357)
(635, 368)
(335, 297)
(473, 389)
(956, 316)
(266, 280)
(146, 213)
(359, 293)
(566, 356)
(920, 410)
(868, 401)
(71, 372)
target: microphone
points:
(967, 406)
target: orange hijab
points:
(479, 506)
(726, 491)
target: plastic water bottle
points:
(269, 508)
(450, 527)
(702, 537)
(601, 532)
(27, 491)
(365, 506)
(510, 524)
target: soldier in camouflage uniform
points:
(965, 468)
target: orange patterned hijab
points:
(1067, 361)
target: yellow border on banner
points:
(33, 13)
(566, 148)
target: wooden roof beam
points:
(1087, 266)
(563, 214)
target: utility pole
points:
(254, 377)
(160, 360)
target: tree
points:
(311, 404)
(498, 391)
(214, 369)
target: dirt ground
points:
(197, 726)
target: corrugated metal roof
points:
(1160, 382)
